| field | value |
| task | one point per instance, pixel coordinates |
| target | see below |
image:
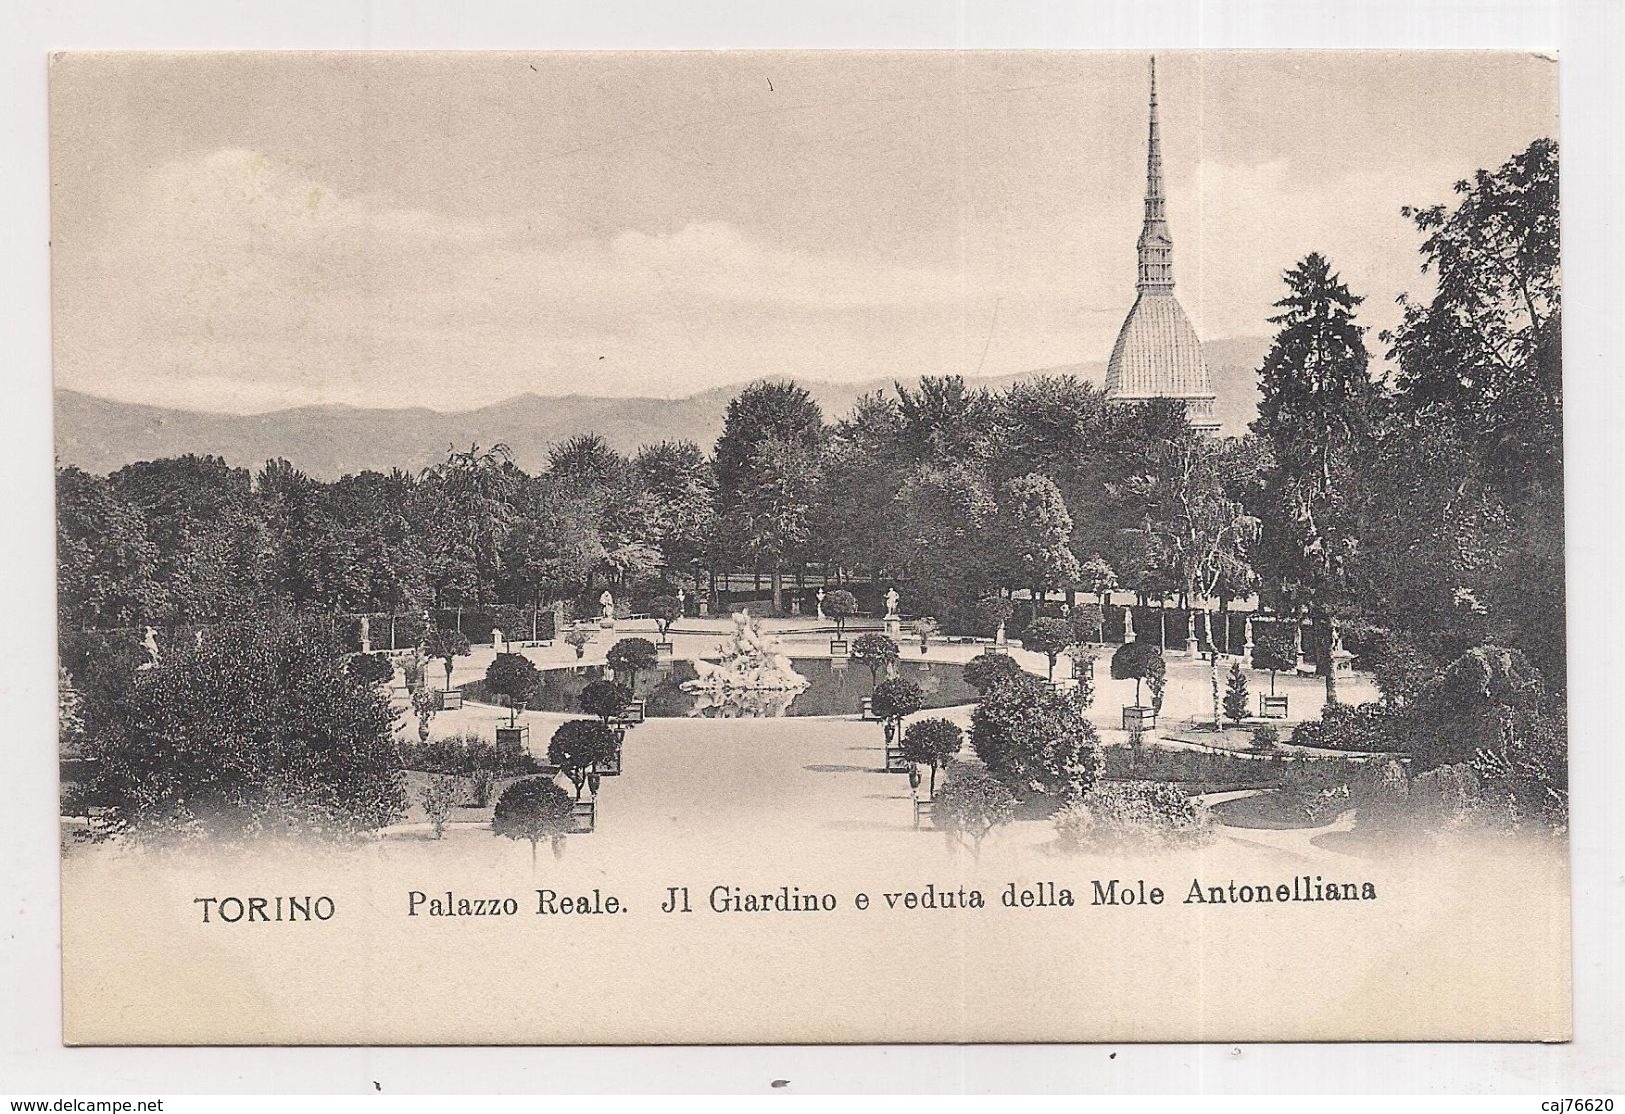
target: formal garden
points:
(954, 614)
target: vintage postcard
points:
(810, 547)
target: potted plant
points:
(577, 639)
(665, 610)
(877, 652)
(1049, 637)
(840, 605)
(1138, 661)
(1274, 649)
(512, 677)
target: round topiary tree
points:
(932, 742)
(580, 745)
(1049, 637)
(1137, 661)
(605, 699)
(1275, 649)
(877, 651)
(984, 671)
(534, 809)
(514, 678)
(631, 656)
(840, 605)
(446, 645)
(1088, 624)
(665, 610)
(895, 699)
(969, 807)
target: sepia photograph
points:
(789, 546)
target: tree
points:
(1275, 649)
(840, 605)
(876, 651)
(774, 512)
(1036, 529)
(1317, 416)
(665, 610)
(1195, 535)
(438, 795)
(987, 670)
(1098, 577)
(106, 564)
(446, 645)
(259, 730)
(969, 807)
(605, 699)
(1236, 698)
(578, 747)
(896, 698)
(932, 742)
(1050, 637)
(1036, 739)
(631, 656)
(1088, 624)
(1137, 661)
(994, 611)
(513, 677)
(766, 464)
(533, 810)
(683, 497)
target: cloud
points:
(236, 280)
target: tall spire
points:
(1156, 246)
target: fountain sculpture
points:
(751, 664)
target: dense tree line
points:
(1421, 512)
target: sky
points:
(250, 232)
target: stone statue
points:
(497, 640)
(1128, 624)
(1337, 639)
(682, 602)
(999, 638)
(366, 635)
(150, 643)
(820, 598)
(750, 662)
(607, 603)
(891, 603)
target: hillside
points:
(100, 435)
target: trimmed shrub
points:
(896, 698)
(632, 656)
(1133, 815)
(984, 671)
(534, 810)
(370, 669)
(876, 651)
(932, 742)
(1236, 697)
(513, 677)
(605, 699)
(1049, 637)
(969, 807)
(1137, 661)
(579, 745)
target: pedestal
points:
(894, 628)
(663, 650)
(1342, 662)
(1193, 648)
(513, 740)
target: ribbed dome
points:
(1157, 354)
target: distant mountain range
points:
(101, 435)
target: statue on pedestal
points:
(150, 643)
(497, 641)
(1128, 624)
(820, 599)
(891, 603)
(607, 603)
